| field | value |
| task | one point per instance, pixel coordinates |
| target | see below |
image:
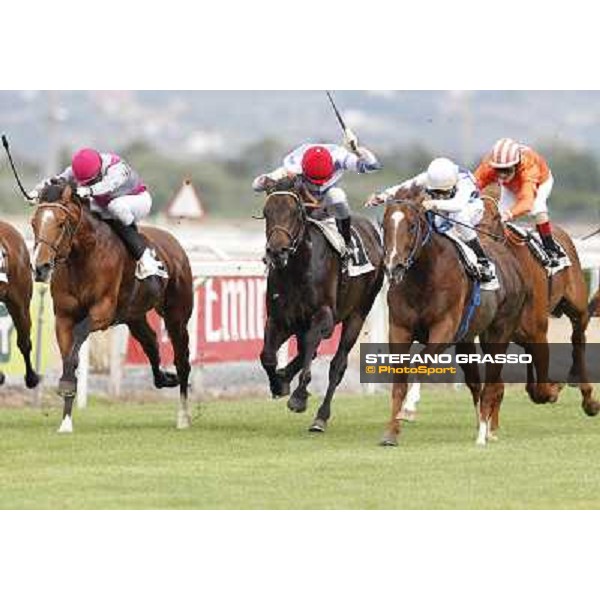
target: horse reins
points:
(296, 238)
(68, 229)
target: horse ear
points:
(67, 193)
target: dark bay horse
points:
(594, 308)
(307, 296)
(428, 296)
(16, 294)
(93, 287)
(565, 293)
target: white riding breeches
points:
(540, 205)
(336, 201)
(126, 209)
(471, 215)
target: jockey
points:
(321, 167)
(118, 196)
(525, 182)
(452, 191)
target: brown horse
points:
(563, 293)
(307, 295)
(16, 294)
(429, 296)
(93, 287)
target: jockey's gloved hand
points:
(506, 216)
(429, 204)
(34, 196)
(350, 140)
(375, 200)
(84, 191)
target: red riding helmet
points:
(86, 165)
(317, 165)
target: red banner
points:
(227, 324)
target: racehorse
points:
(594, 308)
(16, 294)
(563, 293)
(307, 295)
(429, 296)
(93, 287)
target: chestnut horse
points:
(565, 293)
(93, 287)
(16, 294)
(307, 295)
(428, 298)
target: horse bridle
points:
(69, 229)
(420, 239)
(295, 238)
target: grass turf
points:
(255, 454)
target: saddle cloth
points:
(534, 243)
(359, 262)
(3, 265)
(469, 260)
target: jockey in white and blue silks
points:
(321, 167)
(117, 195)
(453, 192)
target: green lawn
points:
(255, 454)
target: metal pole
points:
(38, 345)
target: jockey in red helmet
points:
(117, 195)
(321, 166)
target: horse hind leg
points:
(350, 332)
(146, 336)
(22, 322)
(177, 329)
(578, 376)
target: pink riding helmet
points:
(86, 165)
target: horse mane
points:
(52, 193)
(415, 193)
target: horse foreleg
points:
(540, 389)
(350, 332)
(22, 321)
(322, 325)
(274, 337)
(70, 337)
(146, 336)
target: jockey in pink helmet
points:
(118, 196)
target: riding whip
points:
(14, 170)
(339, 116)
(591, 235)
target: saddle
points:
(467, 257)
(359, 259)
(532, 238)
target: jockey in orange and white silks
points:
(117, 195)
(451, 191)
(321, 167)
(525, 182)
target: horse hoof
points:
(184, 421)
(166, 380)
(389, 440)
(492, 437)
(32, 380)
(408, 416)
(66, 426)
(591, 408)
(297, 405)
(67, 388)
(318, 426)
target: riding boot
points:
(485, 266)
(343, 226)
(554, 251)
(148, 267)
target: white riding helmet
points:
(442, 175)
